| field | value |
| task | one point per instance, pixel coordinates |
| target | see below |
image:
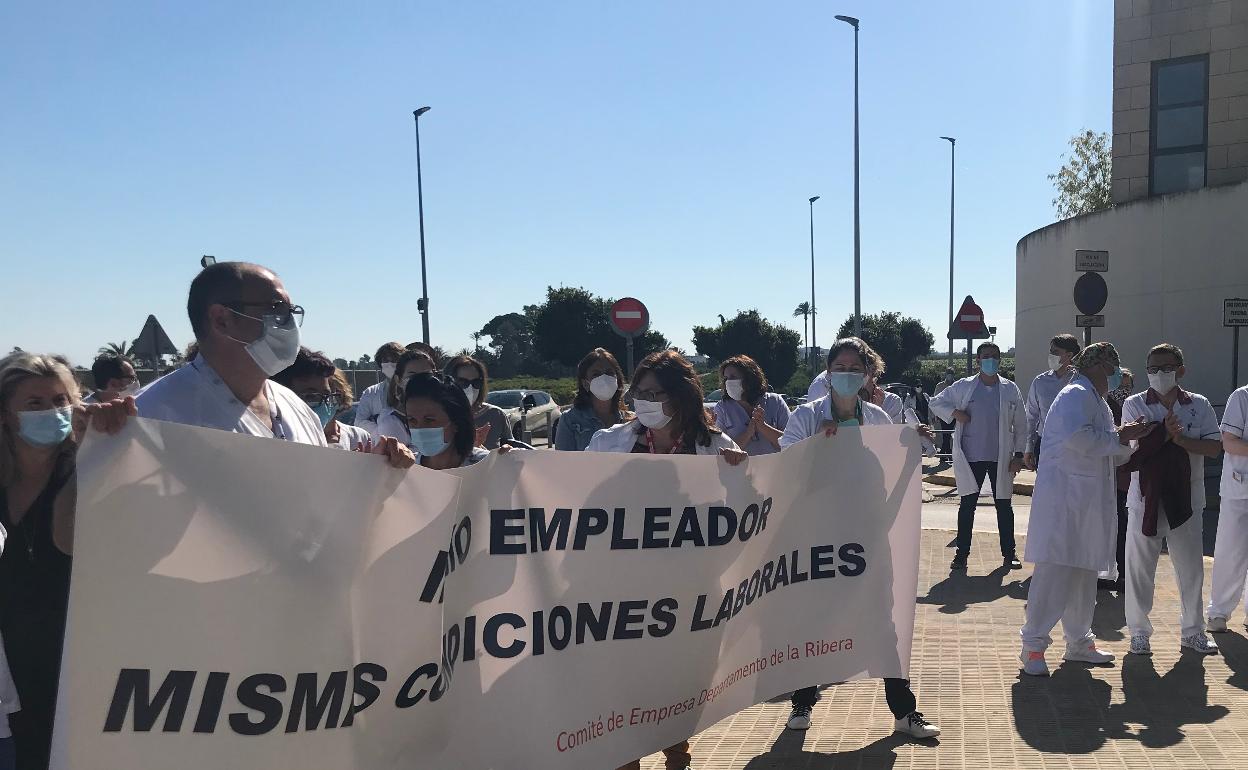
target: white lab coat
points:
(1012, 432)
(621, 437)
(1074, 509)
(893, 405)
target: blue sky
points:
(661, 150)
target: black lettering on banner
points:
(543, 534)
(317, 704)
(749, 522)
(364, 676)
(752, 591)
(501, 528)
(539, 633)
(251, 697)
(768, 568)
(725, 609)
(560, 625)
(656, 524)
(489, 637)
(433, 584)
(470, 638)
(797, 575)
(599, 626)
(629, 613)
(740, 602)
(210, 704)
(592, 521)
(699, 624)
(461, 541)
(762, 518)
(822, 558)
(721, 516)
(852, 562)
(689, 528)
(135, 685)
(406, 698)
(664, 613)
(618, 541)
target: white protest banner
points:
(239, 602)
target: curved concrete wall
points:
(1172, 260)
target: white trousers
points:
(1062, 593)
(1230, 559)
(1187, 554)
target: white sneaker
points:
(1217, 625)
(1033, 663)
(1087, 652)
(799, 718)
(1140, 645)
(916, 726)
(1199, 643)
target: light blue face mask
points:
(46, 427)
(990, 366)
(325, 412)
(852, 422)
(1115, 379)
(428, 442)
(846, 383)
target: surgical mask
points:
(325, 412)
(852, 422)
(46, 427)
(428, 442)
(650, 413)
(277, 347)
(604, 387)
(1055, 362)
(989, 366)
(1163, 382)
(846, 383)
(471, 393)
(1115, 379)
(388, 370)
(735, 389)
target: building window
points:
(1179, 126)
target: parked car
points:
(713, 398)
(538, 402)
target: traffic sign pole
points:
(1235, 315)
(1235, 359)
(630, 319)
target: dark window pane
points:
(1176, 173)
(1180, 127)
(1178, 83)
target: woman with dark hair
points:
(471, 376)
(410, 364)
(375, 400)
(599, 401)
(311, 377)
(440, 425)
(754, 417)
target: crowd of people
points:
(1117, 472)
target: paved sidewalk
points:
(1169, 711)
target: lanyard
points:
(650, 443)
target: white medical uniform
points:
(622, 437)
(1011, 432)
(196, 395)
(1073, 527)
(893, 405)
(1230, 553)
(372, 405)
(808, 419)
(1186, 543)
(352, 438)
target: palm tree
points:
(113, 349)
(476, 342)
(804, 311)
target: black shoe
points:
(959, 562)
(1012, 562)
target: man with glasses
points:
(989, 439)
(114, 377)
(1167, 497)
(311, 378)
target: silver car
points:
(529, 407)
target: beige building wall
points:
(1146, 31)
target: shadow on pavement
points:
(1110, 616)
(1234, 649)
(787, 753)
(960, 590)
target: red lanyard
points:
(650, 443)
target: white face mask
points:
(471, 393)
(388, 370)
(278, 346)
(734, 388)
(1163, 382)
(1055, 362)
(604, 387)
(130, 390)
(650, 413)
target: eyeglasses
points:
(478, 383)
(650, 395)
(1167, 369)
(281, 312)
(317, 399)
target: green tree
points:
(774, 347)
(573, 321)
(805, 312)
(1083, 182)
(113, 349)
(511, 344)
(900, 341)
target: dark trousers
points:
(946, 439)
(966, 512)
(897, 694)
(1120, 554)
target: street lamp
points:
(850, 20)
(953, 144)
(423, 304)
(814, 340)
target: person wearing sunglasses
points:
(599, 401)
(311, 378)
(376, 399)
(471, 377)
(989, 439)
(114, 377)
(392, 422)
(440, 423)
(247, 329)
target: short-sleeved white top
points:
(1235, 467)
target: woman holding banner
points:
(599, 401)
(671, 419)
(439, 422)
(850, 362)
(38, 398)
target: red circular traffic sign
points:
(629, 317)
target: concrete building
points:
(1178, 232)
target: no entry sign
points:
(629, 317)
(968, 323)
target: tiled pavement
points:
(1171, 711)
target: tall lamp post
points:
(953, 144)
(814, 340)
(850, 20)
(423, 305)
